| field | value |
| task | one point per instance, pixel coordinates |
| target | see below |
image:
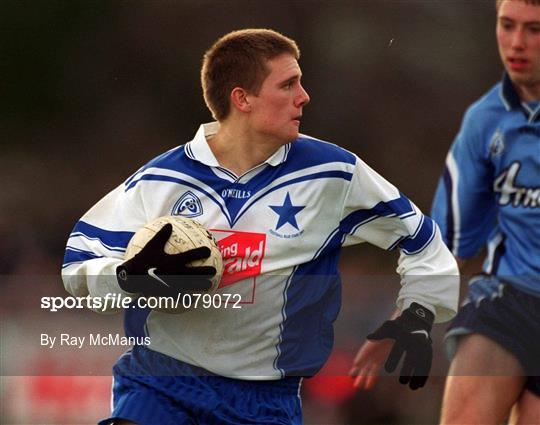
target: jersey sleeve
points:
(97, 244)
(378, 213)
(464, 205)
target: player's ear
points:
(240, 99)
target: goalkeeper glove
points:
(153, 273)
(411, 334)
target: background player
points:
(281, 205)
(490, 195)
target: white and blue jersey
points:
(280, 228)
(489, 193)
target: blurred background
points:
(91, 90)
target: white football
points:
(186, 234)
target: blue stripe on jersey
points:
(400, 207)
(448, 236)
(175, 160)
(157, 177)
(227, 172)
(308, 152)
(322, 175)
(233, 206)
(73, 255)
(288, 149)
(333, 241)
(281, 325)
(168, 160)
(422, 237)
(135, 320)
(110, 248)
(313, 300)
(108, 238)
(497, 255)
(396, 243)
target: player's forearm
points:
(430, 278)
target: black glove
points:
(411, 332)
(153, 273)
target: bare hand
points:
(368, 363)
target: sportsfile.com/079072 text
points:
(116, 301)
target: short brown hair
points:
(238, 59)
(535, 2)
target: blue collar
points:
(509, 94)
(511, 100)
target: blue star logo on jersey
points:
(287, 212)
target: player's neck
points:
(238, 150)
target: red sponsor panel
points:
(242, 253)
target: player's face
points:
(276, 110)
(518, 37)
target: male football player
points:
(489, 195)
(281, 205)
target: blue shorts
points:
(505, 315)
(151, 388)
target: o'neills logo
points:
(242, 254)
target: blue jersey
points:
(489, 194)
(280, 227)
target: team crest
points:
(188, 206)
(496, 146)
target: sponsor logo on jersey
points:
(286, 219)
(496, 146)
(188, 206)
(242, 252)
(235, 193)
(510, 193)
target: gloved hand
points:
(411, 334)
(153, 273)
